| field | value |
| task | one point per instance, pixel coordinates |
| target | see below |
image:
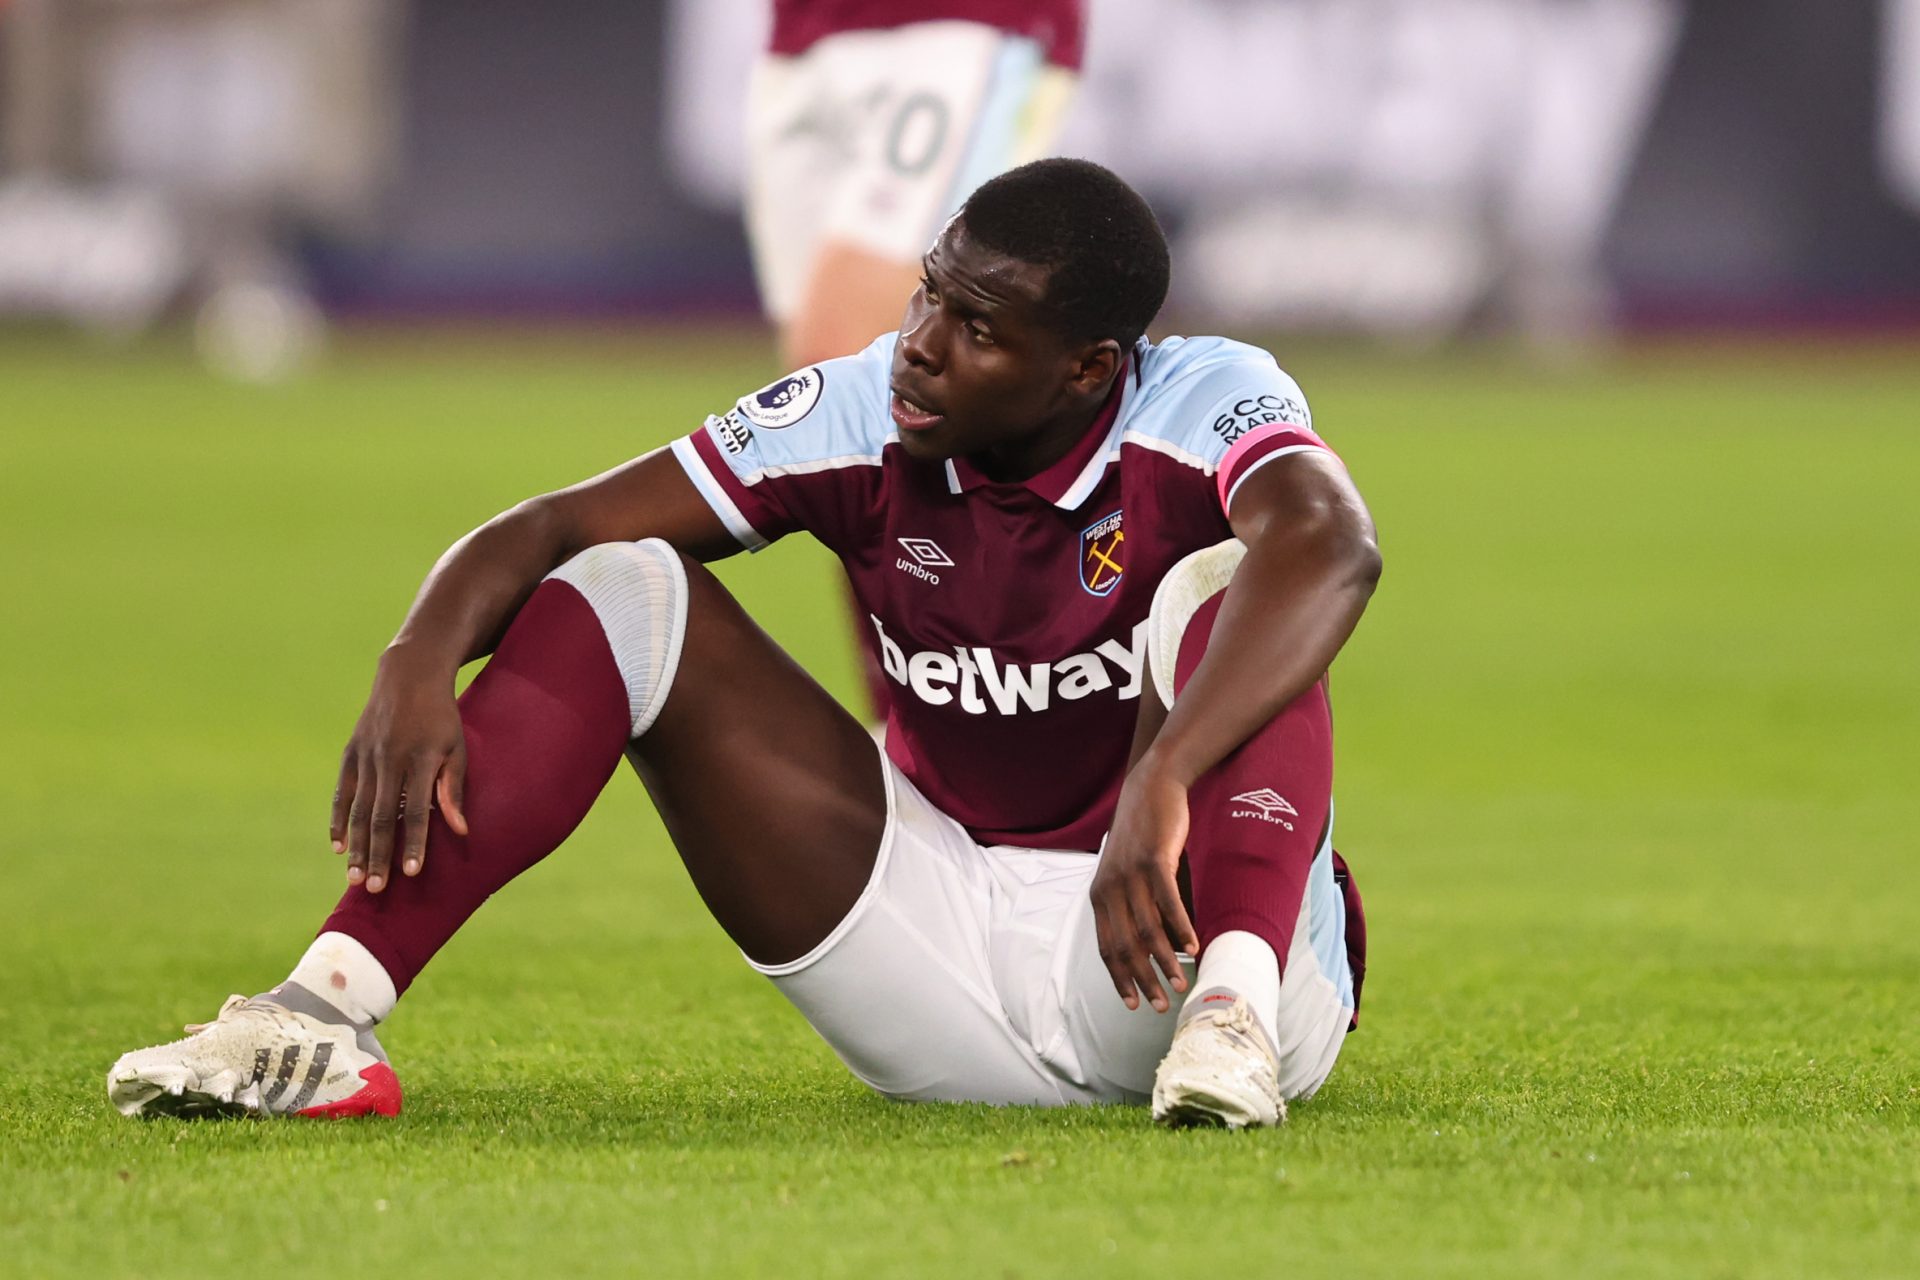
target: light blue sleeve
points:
(792, 454)
(1202, 396)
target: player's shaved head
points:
(1030, 302)
(1105, 254)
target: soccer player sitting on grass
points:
(1106, 577)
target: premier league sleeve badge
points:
(783, 403)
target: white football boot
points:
(1221, 1069)
(286, 1053)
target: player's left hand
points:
(1137, 912)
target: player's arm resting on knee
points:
(408, 740)
(1310, 567)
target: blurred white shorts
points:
(874, 139)
(970, 973)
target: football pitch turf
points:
(1627, 771)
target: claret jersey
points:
(1009, 617)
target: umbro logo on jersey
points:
(926, 551)
(1267, 805)
(927, 556)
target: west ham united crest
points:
(1103, 555)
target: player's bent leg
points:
(1273, 999)
(586, 666)
(908, 989)
(545, 725)
(867, 907)
(970, 974)
(772, 792)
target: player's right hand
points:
(1139, 919)
(407, 752)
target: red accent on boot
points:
(380, 1096)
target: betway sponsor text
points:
(981, 683)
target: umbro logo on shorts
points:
(1267, 805)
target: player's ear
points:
(1094, 366)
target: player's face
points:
(982, 368)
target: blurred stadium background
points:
(1412, 168)
(1612, 306)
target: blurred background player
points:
(869, 122)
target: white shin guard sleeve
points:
(638, 590)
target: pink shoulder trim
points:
(1257, 447)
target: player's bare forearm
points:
(476, 587)
(1310, 568)
(408, 748)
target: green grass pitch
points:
(1628, 750)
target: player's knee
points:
(1180, 622)
(638, 591)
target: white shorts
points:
(968, 973)
(875, 138)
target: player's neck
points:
(1027, 457)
